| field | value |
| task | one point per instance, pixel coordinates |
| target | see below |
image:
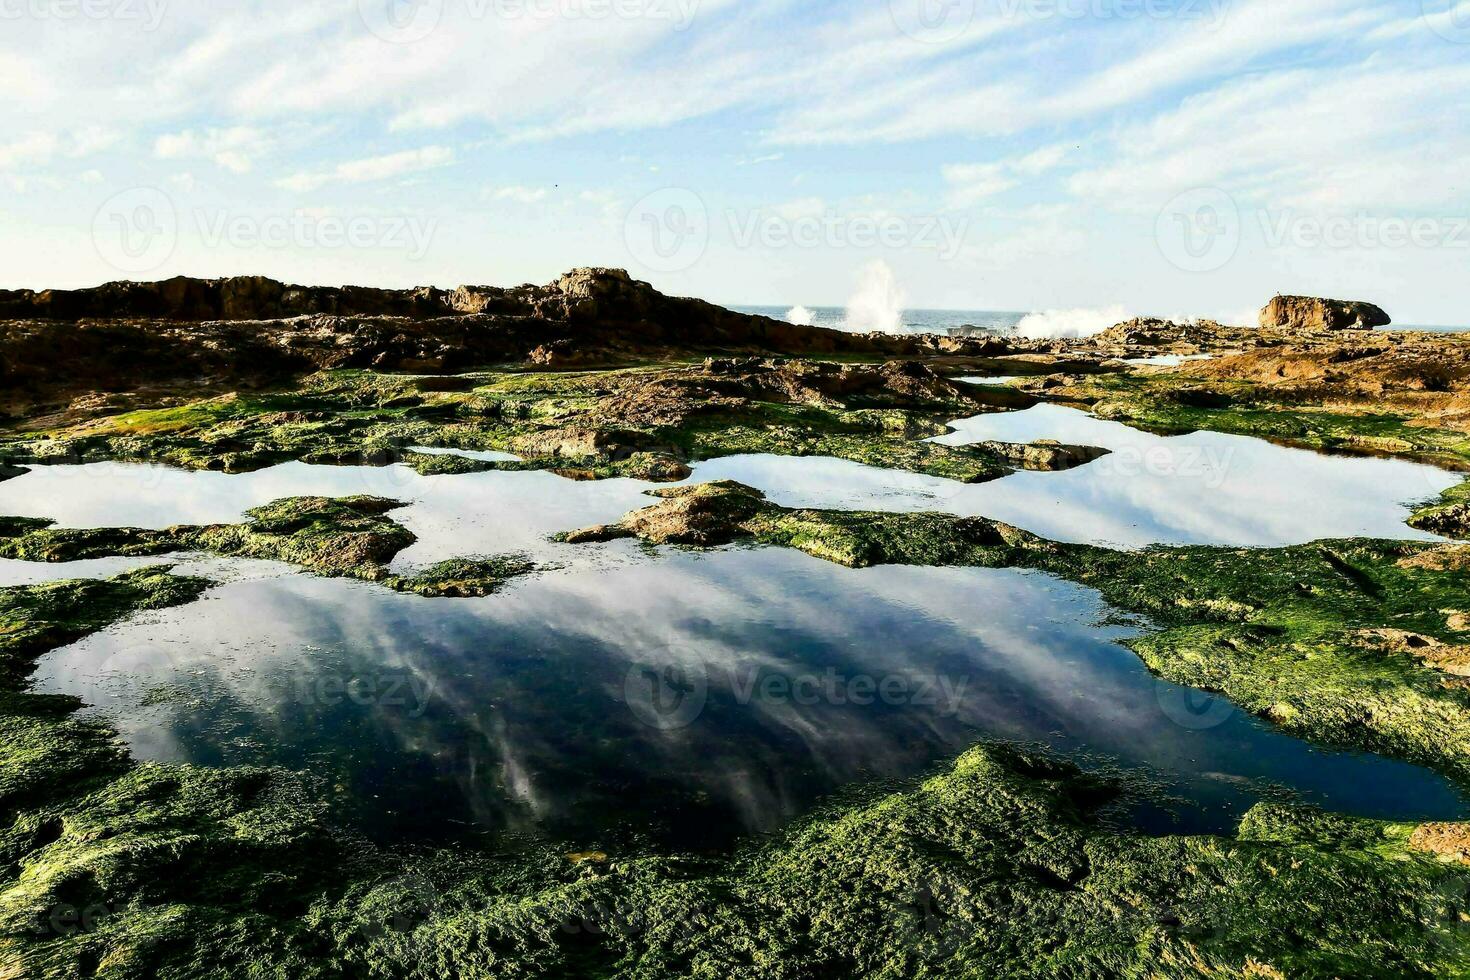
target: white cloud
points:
(974, 182)
(235, 149)
(372, 169)
(801, 209)
(27, 149)
(1284, 139)
(1043, 231)
(39, 148)
(518, 194)
(1039, 161)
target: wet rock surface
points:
(342, 537)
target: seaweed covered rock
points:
(1045, 454)
(909, 383)
(346, 536)
(334, 536)
(995, 866)
(705, 515)
(463, 578)
(1451, 520)
(35, 618)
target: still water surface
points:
(1202, 488)
(690, 698)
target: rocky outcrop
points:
(1307, 314)
(1447, 657)
(1452, 521)
(645, 457)
(585, 298)
(911, 384)
(235, 333)
(702, 516)
(1044, 454)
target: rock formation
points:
(234, 333)
(1307, 314)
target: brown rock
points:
(1426, 649)
(1312, 315)
(704, 515)
(1449, 841)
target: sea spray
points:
(1070, 324)
(879, 301)
(800, 316)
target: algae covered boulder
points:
(704, 516)
(1310, 314)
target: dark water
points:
(995, 321)
(680, 698)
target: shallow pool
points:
(685, 698)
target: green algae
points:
(994, 867)
(997, 866)
(336, 537)
(362, 418)
(1172, 404)
(1449, 516)
(38, 617)
(463, 577)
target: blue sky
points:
(1159, 156)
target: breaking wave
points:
(878, 302)
(1069, 324)
(800, 316)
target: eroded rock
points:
(1310, 314)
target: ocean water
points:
(1050, 324)
(914, 321)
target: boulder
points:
(705, 515)
(1045, 454)
(1307, 314)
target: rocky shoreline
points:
(998, 865)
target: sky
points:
(1166, 157)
